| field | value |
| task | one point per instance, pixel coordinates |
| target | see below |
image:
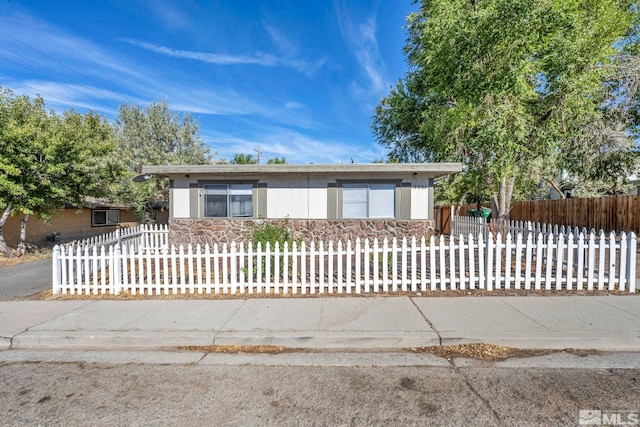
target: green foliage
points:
(272, 234)
(277, 161)
(244, 159)
(46, 160)
(153, 135)
(386, 160)
(518, 90)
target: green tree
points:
(518, 90)
(277, 161)
(152, 135)
(387, 160)
(244, 159)
(46, 160)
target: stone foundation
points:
(184, 231)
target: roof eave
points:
(432, 169)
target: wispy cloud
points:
(284, 44)
(290, 50)
(213, 101)
(281, 123)
(84, 70)
(63, 96)
(66, 71)
(297, 147)
(361, 38)
(258, 58)
(75, 57)
(210, 58)
(292, 105)
(172, 15)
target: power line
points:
(38, 73)
(53, 71)
(121, 98)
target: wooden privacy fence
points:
(613, 213)
(541, 262)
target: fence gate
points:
(443, 219)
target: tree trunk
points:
(6, 250)
(554, 185)
(460, 201)
(501, 202)
(22, 246)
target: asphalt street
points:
(336, 390)
(24, 281)
(47, 377)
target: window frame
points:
(228, 184)
(107, 223)
(368, 183)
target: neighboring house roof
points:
(432, 169)
(96, 203)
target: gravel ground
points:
(192, 395)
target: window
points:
(228, 200)
(101, 218)
(368, 200)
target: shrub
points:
(272, 233)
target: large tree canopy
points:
(153, 135)
(46, 160)
(518, 90)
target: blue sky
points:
(297, 78)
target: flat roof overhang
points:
(433, 170)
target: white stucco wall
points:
(180, 199)
(304, 197)
(420, 200)
(296, 203)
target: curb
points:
(323, 341)
(145, 340)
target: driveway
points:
(24, 281)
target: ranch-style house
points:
(223, 203)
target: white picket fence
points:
(142, 235)
(465, 225)
(544, 262)
(68, 266)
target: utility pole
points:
(257, 150)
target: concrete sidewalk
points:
(370, 323)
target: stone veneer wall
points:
(184, 231)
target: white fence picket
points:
(574, 260)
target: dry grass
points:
(479, 351)
(252, 349)
(491, 352)
(32, 255)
